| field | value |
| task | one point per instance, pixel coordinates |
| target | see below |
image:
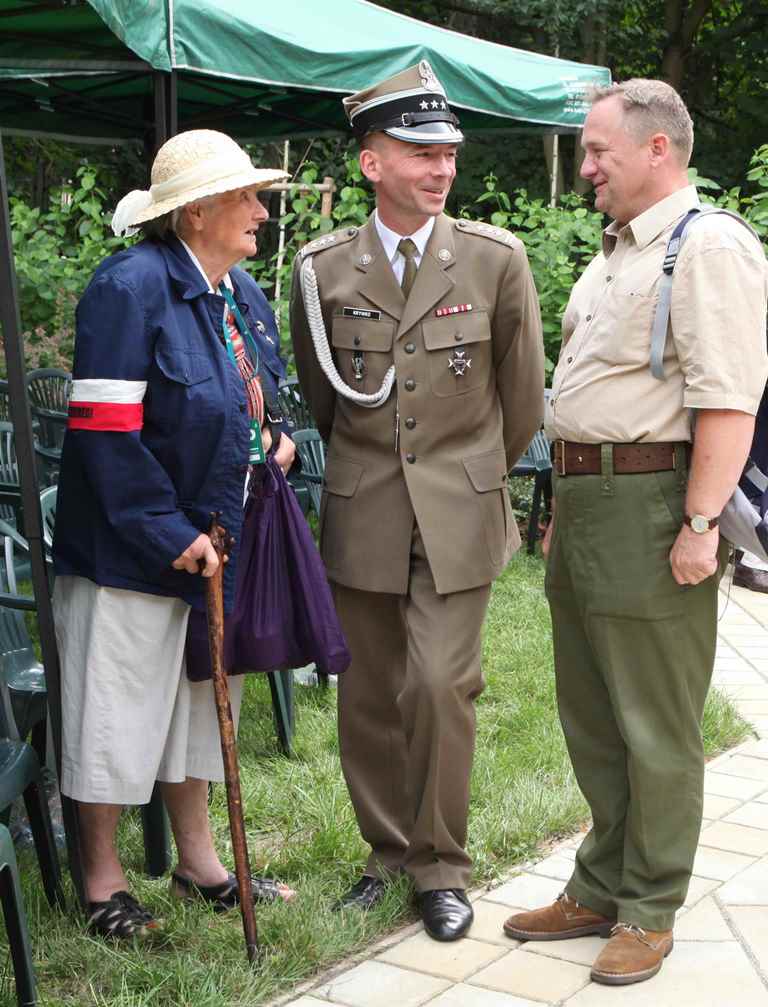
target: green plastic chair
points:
(23, 674)
(21, 776)
(311, 451)
(16, 922)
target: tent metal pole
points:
(10, 321)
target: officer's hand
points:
(266, 438)
(201, 549)
(545, 542)
(286, 451)
(694, 557)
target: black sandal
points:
(120, 917)
(226, 895)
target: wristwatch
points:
(699, 523)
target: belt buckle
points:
(560, 466)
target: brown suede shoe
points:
(565, 918)
(631, 955)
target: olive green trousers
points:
(634, 653)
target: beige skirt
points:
(130, 716)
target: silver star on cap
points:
(424, 104)
(435, 104)
(366, 259)
(443, 255)
(442, 105)
(459, 363)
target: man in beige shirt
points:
(634, 549)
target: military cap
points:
(410, 106)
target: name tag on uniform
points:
(361, 313)
(256, 455)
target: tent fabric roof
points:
(257, 71)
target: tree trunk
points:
(682, 22)
(549, 143)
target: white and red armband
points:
(106, 404)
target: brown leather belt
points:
(570, 459)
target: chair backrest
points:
(294, 405)
(49, 388)
(48, 514)
(538, 451)
(5, 402)
(51, 426)
(9, 466)
(311, 451)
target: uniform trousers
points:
(634, 653)
(407, 722)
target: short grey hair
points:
(164, 226)
(652, 106)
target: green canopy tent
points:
(115, 70)
(256, 70)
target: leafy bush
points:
(57, 251)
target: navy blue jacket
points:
(159, 427)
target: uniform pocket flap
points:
(455, 330)
(342, 477)
(363, 334)
(487, 471)
(178, 364)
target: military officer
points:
(635, 557)
(418, 345)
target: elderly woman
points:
(176, 364)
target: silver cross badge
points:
(459, 363)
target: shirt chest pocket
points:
(624, 323)
(362, 348)
(186, 387)
(458, 352)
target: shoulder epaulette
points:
(484, 230)
(332, 240)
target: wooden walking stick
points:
(222, 543)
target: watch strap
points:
(711, 522)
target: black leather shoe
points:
(364, 895)
(748, 577)
(446, 913)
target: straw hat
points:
(189, 166)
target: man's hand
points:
(286, 451)
(201, 549)
(545, 542)
(694, 557)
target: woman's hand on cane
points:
(200, 551)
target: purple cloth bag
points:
(283, 614)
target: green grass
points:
(302, 829)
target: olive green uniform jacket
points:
(458, 434)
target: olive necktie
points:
(409, 251)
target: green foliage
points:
(55, 253)
(559, 240)
(58, 250)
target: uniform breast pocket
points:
(458, 352)
(363, 351)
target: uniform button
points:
(356, 340)
(410, 384)
(410, 347)
(458, 337)
(243, 407)
(569, 360)
(410, 458)
(608, 279)
(589, 318)
(410, 422)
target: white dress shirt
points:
(390, 240)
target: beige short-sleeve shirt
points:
(715, 356)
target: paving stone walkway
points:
(720, 957)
